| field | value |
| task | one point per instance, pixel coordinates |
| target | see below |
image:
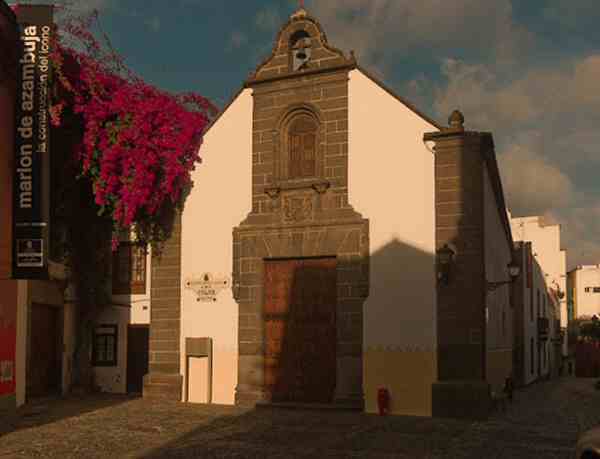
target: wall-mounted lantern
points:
(513, 271)
(445, 256)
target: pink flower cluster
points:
(140, 144)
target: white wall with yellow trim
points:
(220, 199)
(391, 182)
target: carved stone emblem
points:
(207, 286)
(297, 209)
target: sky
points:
(526, 70)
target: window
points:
(596, 289)
(588, 289)
(129, 269)
(302, 138)
(104, 346)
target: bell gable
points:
(301, 47)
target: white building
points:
(304, 266)
(404, 170)
(535, 320)
(546, 248)
(585, 283)
(121, 335)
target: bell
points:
(301, 54)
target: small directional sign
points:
(208, 287)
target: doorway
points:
(300, 329)
(138, 338)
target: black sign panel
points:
(31, 172)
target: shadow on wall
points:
(314, 317)
(401, 302)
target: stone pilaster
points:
(461, 389)
(164, 379)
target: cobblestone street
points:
(544, 421)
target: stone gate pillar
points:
(461, 389)
(164, 379)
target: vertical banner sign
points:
(31, 196)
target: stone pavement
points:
(544, 421)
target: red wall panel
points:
(8, 335)
(8, 288)
(7, 118)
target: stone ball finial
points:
(300, 13)
(456, 120)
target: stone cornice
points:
(251, 82)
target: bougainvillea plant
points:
(140, 143)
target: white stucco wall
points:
(588, 303)
(391, 182)
(545, 241)
(219, 201)
(539, 285)
(529, 330)
(114, 379)
(124, 310)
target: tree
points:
(122, 160)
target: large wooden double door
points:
(300, 329)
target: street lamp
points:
(513, 271)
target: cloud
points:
(532, 184)
(544, 121)
(378, 29)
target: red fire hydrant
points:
(383, 401)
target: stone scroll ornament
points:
(207, 287)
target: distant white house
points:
(584, 291)
(549, 287)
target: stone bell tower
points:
(300, 220)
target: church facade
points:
(303, 268)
